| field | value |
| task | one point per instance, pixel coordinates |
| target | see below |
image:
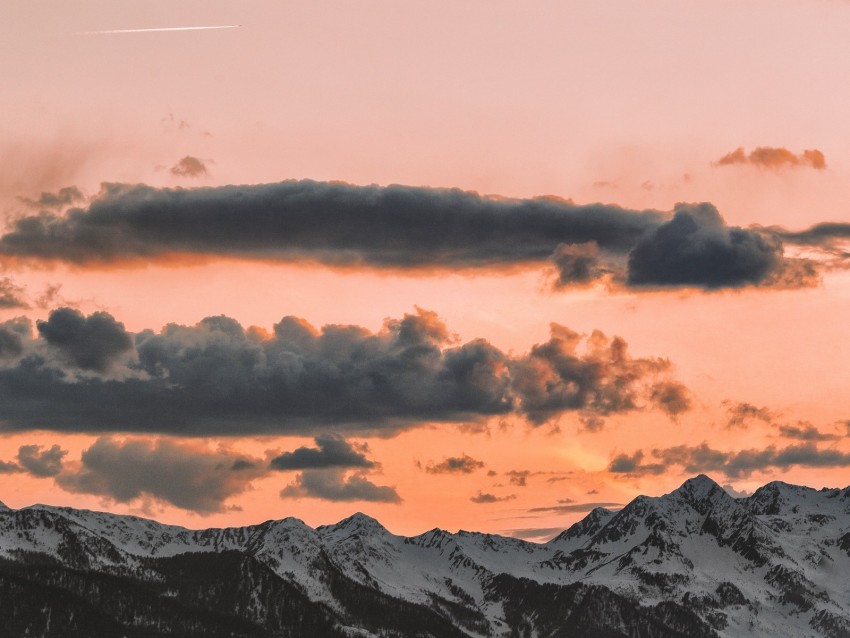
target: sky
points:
(479, 265)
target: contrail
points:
(156, 29)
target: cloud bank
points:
(89, 374)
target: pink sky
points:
(627, 103)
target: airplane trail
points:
(159, 29)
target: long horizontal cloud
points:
(703, 458)
(217, 377)
(406, 227)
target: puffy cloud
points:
(9, 468)
(702, 458)
(774, 157)
(331, 451)
(189, 167)
(455, 465)
(483, 498)
(518, 477)
(218, 378)
(333, 485)
(697, 249)
(91, 343)
(41, 462)
(185, 475)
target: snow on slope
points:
(770, 564)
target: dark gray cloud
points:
(189, 167)
(410, 228)
(483, 498)
(702, 459)
(331, 451)
(574, 507)
(7, 467)
(61, 199)
(11, 295)
(41, 462)
(697, 249)
(185, 475)
(333, 485)
(218, 378)
(805, 431)
(90, 343)
(455, 465)
(824, 235)
(774, 157)
(12, 336)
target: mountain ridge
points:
(695, 561)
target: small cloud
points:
(775, 158)
(538, 534)
(485, 497)
(189, 167)
(332, 485)
(740, 415)
(735, 493)
(455, 465)
(574, 507)
(805, 431)
(518, 477)
(332, 451)
(11, 295)
(40, 462)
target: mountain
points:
(692, 563)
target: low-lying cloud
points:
(703, 459)
(89, 374)
(334, 485)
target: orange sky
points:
(627, 103)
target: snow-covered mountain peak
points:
(358, 523)
(704, 494)
(4, 507)
(779, 498)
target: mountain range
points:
(695, 562)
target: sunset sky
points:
(471, 265)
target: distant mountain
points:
(696, 562)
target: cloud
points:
(735, 493)
(483, 498)
(218, 378)
(41, 462)
(805, 431)
(332, 485)
(189, 167)
(61, 199)
(408, 228)
(188, 476)
(740, 415)
(94, 343)
(455, 465)
(331, 451)
(540, 534)
(9, 468)
(518, 477)
(575, 507)
(702, 459)
(11, 295)
(697, 249)
(774, 157)
(555, 377)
